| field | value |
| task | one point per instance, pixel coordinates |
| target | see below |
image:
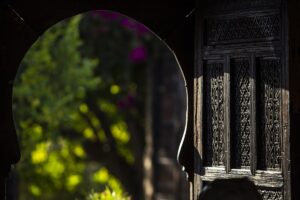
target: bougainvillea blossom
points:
(138, 54)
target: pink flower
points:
(132, 25)
(127, 102)
(141, 29)
(138, 54)
(128, 23)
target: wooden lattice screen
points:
(242, 95)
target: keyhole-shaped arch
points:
(24, 23)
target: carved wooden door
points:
(241, 96)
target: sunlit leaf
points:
(107, 107)
(55, 167)
(40, 154)
(115, 89)
(101, 176)
(79, 151)
(95, 121)
(120, 132)
(101, 135)
(72, 181)
(88, 133)
(35, 190)
(83, 108)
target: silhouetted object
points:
(230, 189)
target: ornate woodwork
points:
(269, 194)
(243, 29)
(240, 115)
(241, 111)
(239, 4)
(214, 123)
(269, 120)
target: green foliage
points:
(49, 100)
(107, 194)
(54, 78)
(78, 104)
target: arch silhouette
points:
(23, 23)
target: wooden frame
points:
(254, 50)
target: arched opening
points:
(117, 96)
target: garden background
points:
(99, 107)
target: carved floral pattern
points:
(243, 28)
(241, 97)
(214, 99)
(270, 110)
(271, 194)
(240, 4)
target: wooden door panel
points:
(241, 125)
(241, 94)
(213, 94)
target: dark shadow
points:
(199, 170)
(230, 189)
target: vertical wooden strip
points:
(227, 113)
(253, 136)
(198, 128)
(196, 186)
(285, 101)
